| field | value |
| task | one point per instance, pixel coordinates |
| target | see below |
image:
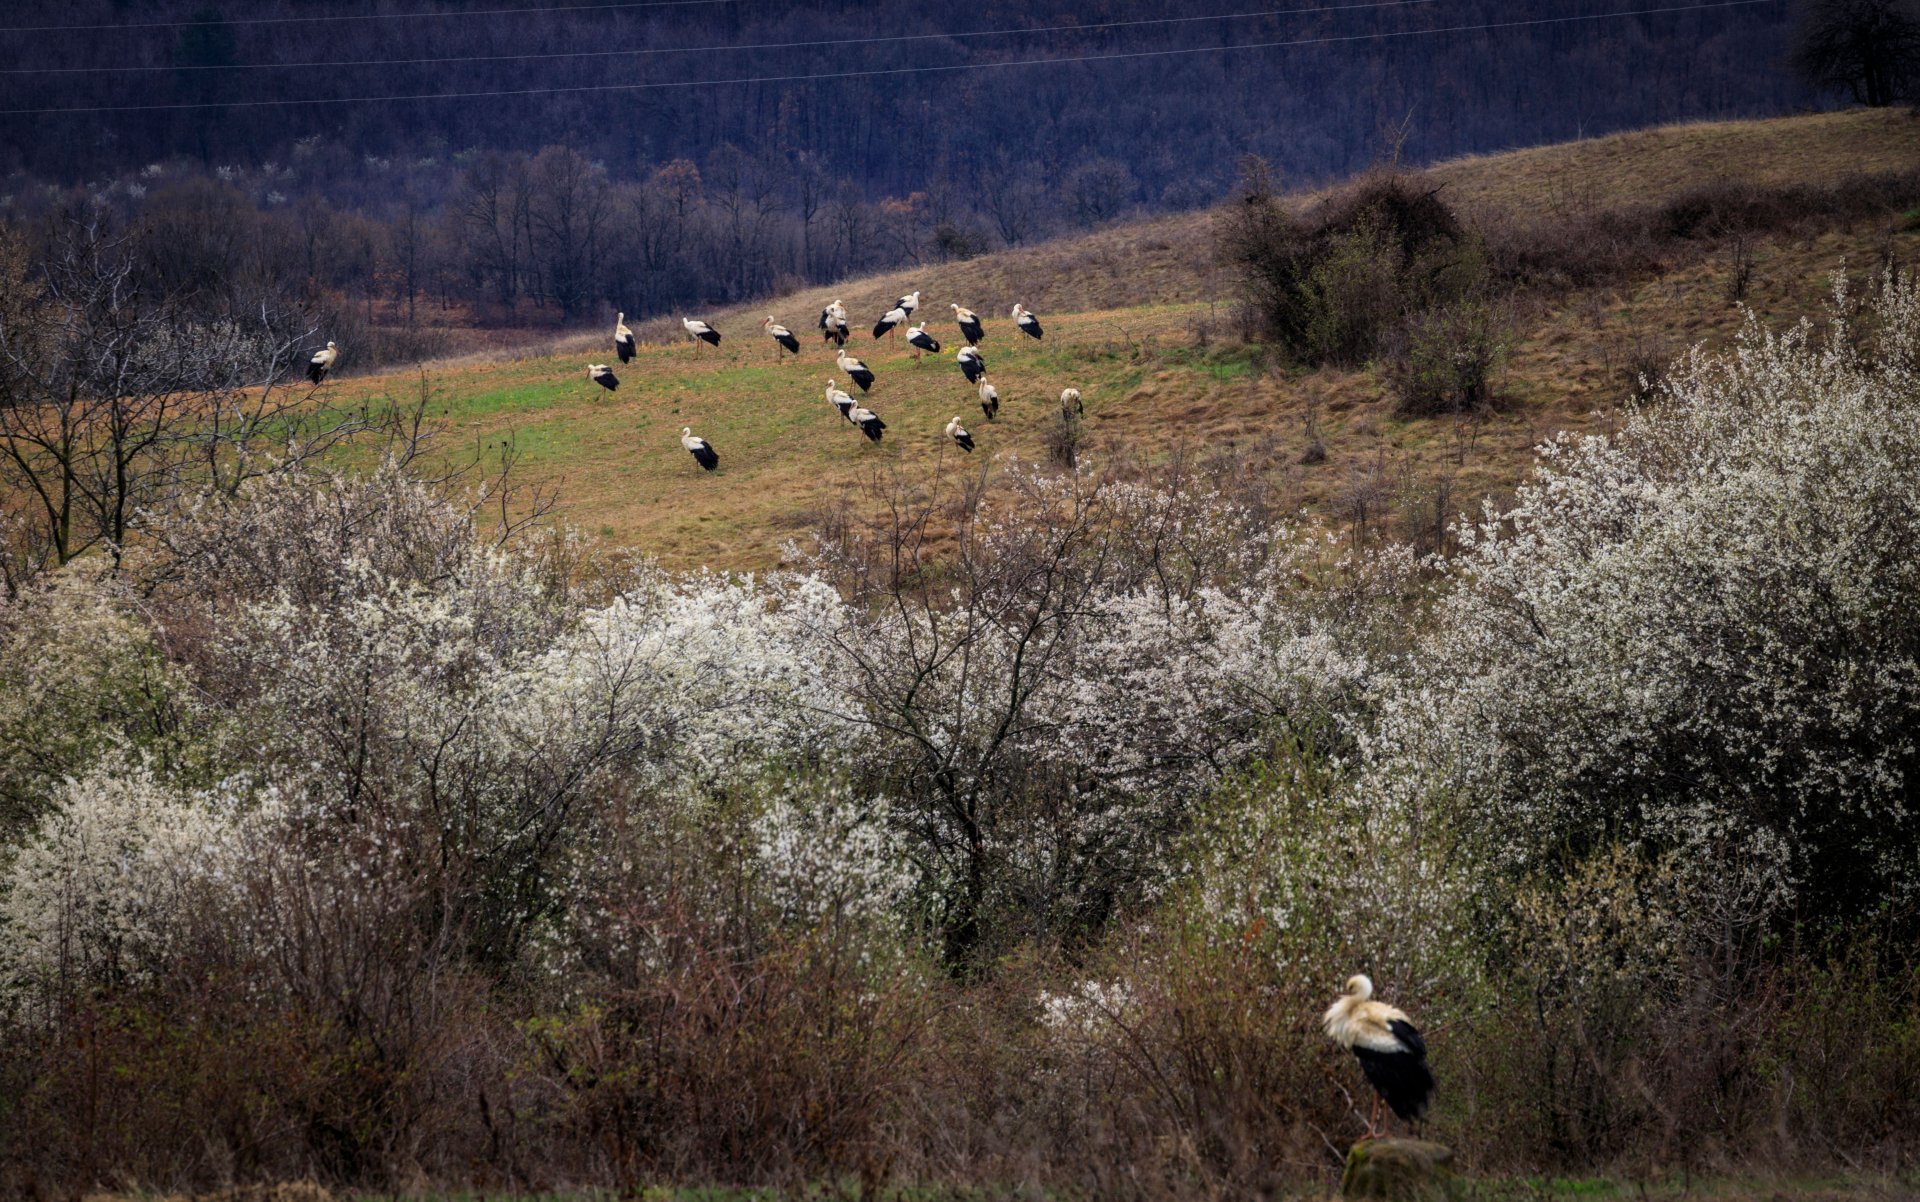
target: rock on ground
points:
(1399, 1170)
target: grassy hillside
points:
(1137, 318)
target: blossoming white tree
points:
(1703, 631)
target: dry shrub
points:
(1350, 293)
(282, 1191)
(1062, 438)
(780, 1067)
(1447, 359)
(1204, 1064)
(1330, 286)
(1842, 1061)
(1640, 361)
(1641, 1027)
(196, 1084)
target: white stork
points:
(989, 399)
(781, 335)
(1070, 403)
(856, 371)
(833, 323)
(622, 338)
(1390, 1050)
(970, 327)
(909, 302)
(972, 366)
(885, 325)
(1027, 322)
(699, 448)
(322, 363)
(920, 340)
(840, 400)
(959, 434)
(603, 375)
(700, 332)
(868, 421)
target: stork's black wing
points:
(1409, 1036)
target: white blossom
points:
(1701, 630)
(99, 891)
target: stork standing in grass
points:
(699, 448)
(840, 400)
(920, 340)
(622, 338)
(781, 335)
(989, 399)
(972, 366)
(833, 323)
(322, 362)
(1390, 1050)
(970, 327)
(959, 434)
(603, 375)
(1027, 322)
(868, 421)
(885, 325)
(1070, 403)
(909, 302)
(700, 332)
(856, 371)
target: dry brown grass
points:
(1651, 165)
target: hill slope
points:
(1136, 318)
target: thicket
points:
(1015, 841)
(1382, 270)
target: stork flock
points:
(835, 330)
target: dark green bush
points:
(1446, 360)
(1332, 286)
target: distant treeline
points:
(648, 199)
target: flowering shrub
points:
(80, 674)
(1046, 695)
(1702, 631)
(824, 856)
(99, 895)
(703, 674)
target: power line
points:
(490, 12)
(868, 41)
(887, 71)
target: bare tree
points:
(808, 184)
(745, 195)
(1868, 48)
(495, 207)
(1100, 190)
(113, 405)
(1016, 203)
(570, 214)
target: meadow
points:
(1141, 319)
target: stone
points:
(1399, 1170)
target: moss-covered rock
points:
(1399, 1170)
